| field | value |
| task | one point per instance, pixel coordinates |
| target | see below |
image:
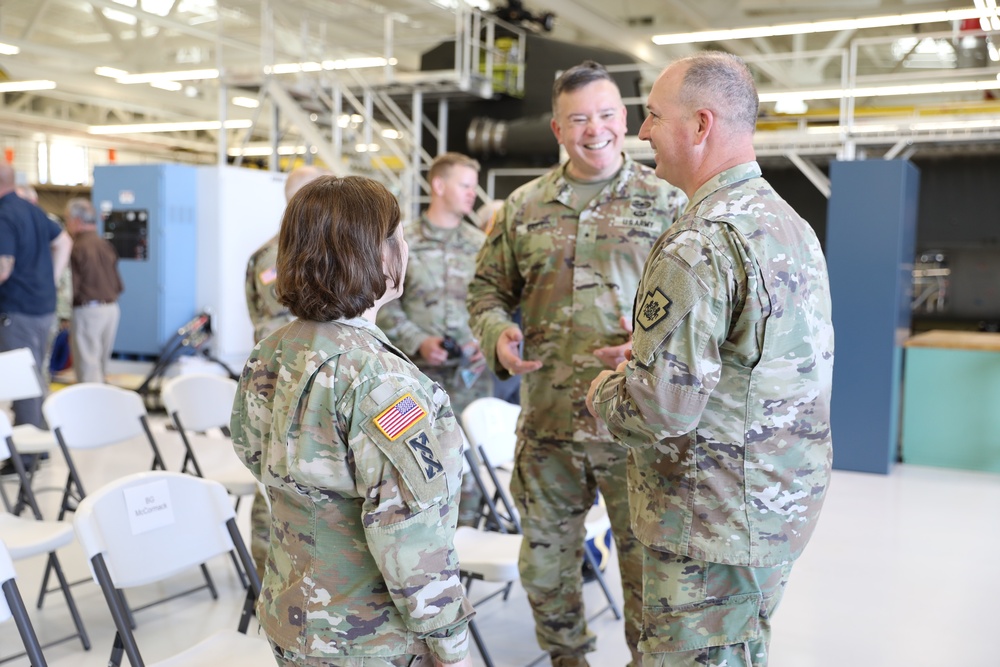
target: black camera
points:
(452, 347)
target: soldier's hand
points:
(432, 352)
(614, 355)
(593, 388)
(509, 354)
(471, 351)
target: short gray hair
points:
(82, 209)
(723, 83)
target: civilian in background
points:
(96, 286)
(33, 253)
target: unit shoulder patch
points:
(420, 447)
(655, 308)
(400, 416)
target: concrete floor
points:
(901, 573)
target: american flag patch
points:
(268, 276)
(399, 416)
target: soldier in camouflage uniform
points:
(267, 314)
(568, 249)
(443, 247)
(725, 404)
(359, 451)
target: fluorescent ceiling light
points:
(818, 26)
(346, 63)
(9, 49)
(20, 86)
(166, 85)
(183, 75)
(264, 151)
(246, 102)
(111, 72)
(168, 127)
(883, 91)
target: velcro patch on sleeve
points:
(400, 416)
(427, 459)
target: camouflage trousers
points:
(286, 658)
(471, 501)
(701, 614)
(554, 485)
(260, 532)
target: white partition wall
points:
(238, 209)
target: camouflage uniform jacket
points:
(266, 313)
(361, 458)
(574, 276)
(442, 262)
(726, 402)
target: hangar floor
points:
(901, 572)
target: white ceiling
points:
(65, 40)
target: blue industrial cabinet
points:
(148, 212)
(870, 245)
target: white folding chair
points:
(19, 379)
(26, 537)
(490, 424)
(149, 526)
(198, 403)
(12, 606)
(89, 416)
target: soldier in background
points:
(725, 403)
(430, 321)
(360, 452)
(268, 314)
(568, 248)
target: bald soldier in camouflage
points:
(568, 248)
(359, 451)
(267, 314)
(443, 247)
(725, 404)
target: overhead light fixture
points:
(142, 128)
(346, 63)
(8, 49)
(818, 26)
(112, 72)
(166, 85)
(246, 102)
(265, 151)
(883, 91)
(22, 86)
(182, 75)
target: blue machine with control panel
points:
(149, 213)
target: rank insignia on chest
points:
(655, 306)
(399, 416)
(421, 448)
